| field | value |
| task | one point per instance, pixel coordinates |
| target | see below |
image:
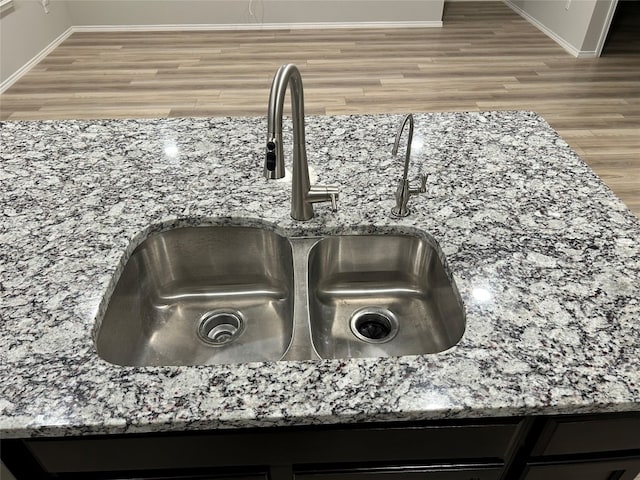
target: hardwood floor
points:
(484, 58)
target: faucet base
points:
(399, 212)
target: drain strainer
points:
(374, 324)
(220, 327)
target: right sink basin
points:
(381, 295)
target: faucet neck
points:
(303, 196)
(287, 76)
(408, 118)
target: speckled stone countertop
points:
(545, 257)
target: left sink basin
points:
(202, 295)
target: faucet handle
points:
(423, 185)
(324, 193)
(334, 201)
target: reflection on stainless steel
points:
(176, 280)
(303, 195)
(211, 295)
(399, 274)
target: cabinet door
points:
(413, 473)
(208, 477)
(619, 469)
(169, 476)
(582, 434)
(297, 446)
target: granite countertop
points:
(521, 220)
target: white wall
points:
(599, 27)
(26, 30)
(226, 12)
(578, 28)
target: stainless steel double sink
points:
(222, 294)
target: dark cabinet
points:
(586, 448)
(609, 469)
(577, 435)
(412, 473)
(472, 449)
(602, 447)
(445, 442)
(189, 477)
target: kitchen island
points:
(546, 260)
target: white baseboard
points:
(587, 54)
(551, 34)
(254, 26)
(35, 60)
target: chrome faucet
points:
(403, 192)
(303, 195)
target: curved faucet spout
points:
(302, 195)
(403, 191)
(285, 75)
(407, 158)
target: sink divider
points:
(301, 346)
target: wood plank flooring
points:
(484, 58)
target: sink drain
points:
(374, 325)
(220, 327)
